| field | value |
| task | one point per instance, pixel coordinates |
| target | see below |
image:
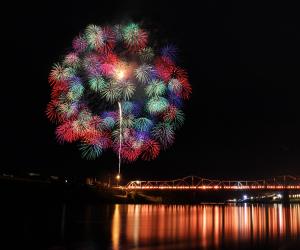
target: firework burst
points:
(112, 91)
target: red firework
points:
(52, 112)
(129, 152)
(170, 113)
(58, 89)
(66, 132)
(139, 43)
(165, 68)
(109, 39)
(150, 150)
(186, 88)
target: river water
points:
(154, 227)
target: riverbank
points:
(26, 190)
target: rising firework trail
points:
(120, 135)
(114, 91)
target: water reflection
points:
(116, 226)
(204, 226)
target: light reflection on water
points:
(203, 226)
(76, 226)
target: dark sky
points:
(243, 119)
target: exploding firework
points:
(114, 91)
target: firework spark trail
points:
(120, 134)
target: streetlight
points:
(118, 177)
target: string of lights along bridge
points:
(286, 182)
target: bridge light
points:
(138, 182)
(118, 177)
(279, 196)
(245, 197)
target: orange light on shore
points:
(118, 177)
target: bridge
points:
(285, 182)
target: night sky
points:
(243, 120)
